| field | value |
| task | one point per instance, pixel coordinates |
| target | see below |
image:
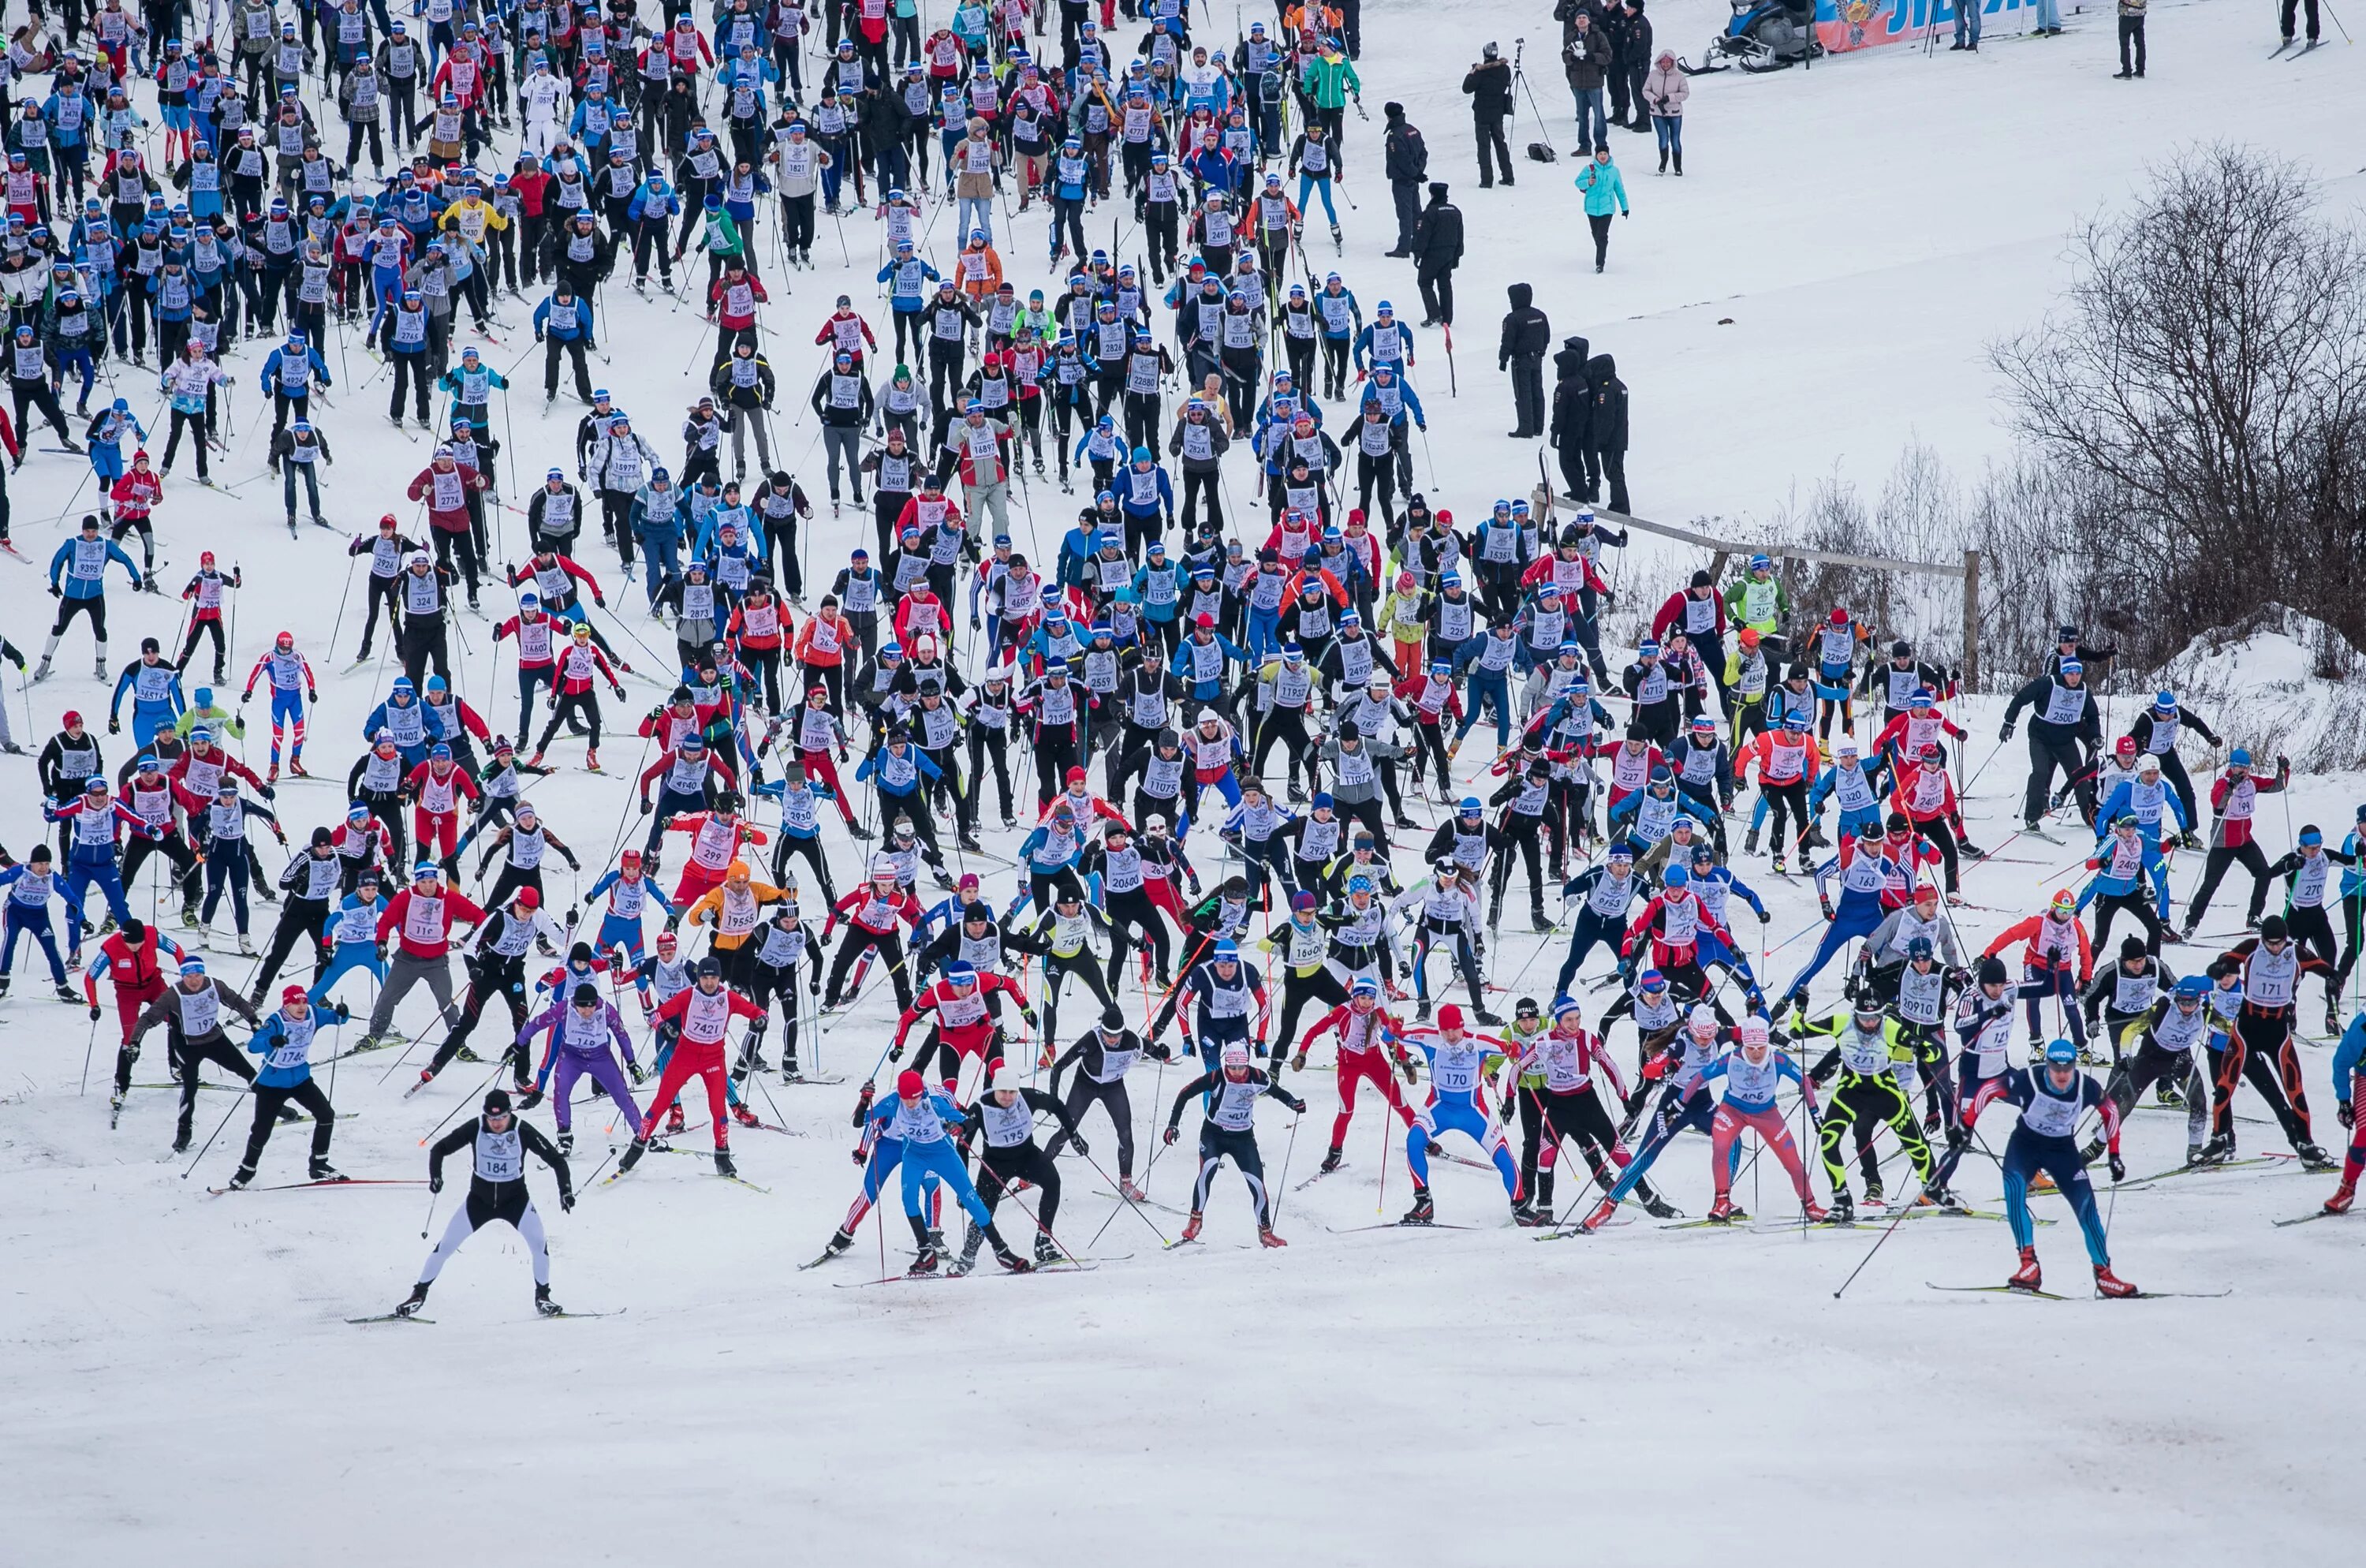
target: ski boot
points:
(925, 1263)
(1265, 1237)
(246, 946)
(69, 996)
(1940, 1198)
(2217, 1151)
(1422, 1010)
(1780, 869)
(1749, 842)
(1659, 1208)
(632, 1156)
(2111, 1286)
(567, 1140)
(2343, 1196)
(675, 1120)
(241, 1177)
(1422, 1211)
(1537, 921)
(745, 1117)
(1046, 1250)
(1599, 1217)
(1332, 1158)
(972, 1240)
(1843, 1209)
(1011, 1260)
(2312, 1157)
(839, 1241)
(413, 1302)
(1133, 1189)
(1192, 1227)
(1723, 1213)
(545, 1305)
(2028, 1277)
(1525, 1216)
(2167, 1094)
(590, 756)
(723, 1166)
(1873, 1194)
(321, 1170)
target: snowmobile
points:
(1763, 35)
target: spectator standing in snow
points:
(1584, 60)
(1605, 193)
(2132, 21)
(1664, 92)
(1633, 65)
(1527, 333)
(1573, 413)
(1405, 161)
(1489, 83)
(1437, 251)
(1606, 429)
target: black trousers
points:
(487, 978)
(1218, 1144)
(1021, 1162)
(861, 939)
(1056, 971)
(583, 704)
(1528, 401)
(1134, 922)
(269, 1101)
(1407, 195)
(2215, 867)
(1085, 1090)
(2047, 753)
(2131, 29)
(1487, 130)
(1548, 1120)
(1436, 292)
(193, 1054)
(2138, 901)
(298, 917)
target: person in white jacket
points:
(542, 105)
(1664, 92)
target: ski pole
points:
(88, 1046)
(1273, 1209)
(217, 1128)
(429, 1223)
(1123, 1201)
(476, 1097)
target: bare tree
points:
(2202, 387)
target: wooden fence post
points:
(1971, 620)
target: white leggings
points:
(464, 1225)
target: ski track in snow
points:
(181, 1377)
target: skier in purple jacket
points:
(579, 1031)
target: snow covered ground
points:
(180, 1381)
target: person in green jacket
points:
(1328, 81)
(1758, 600)
(1605, 192)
